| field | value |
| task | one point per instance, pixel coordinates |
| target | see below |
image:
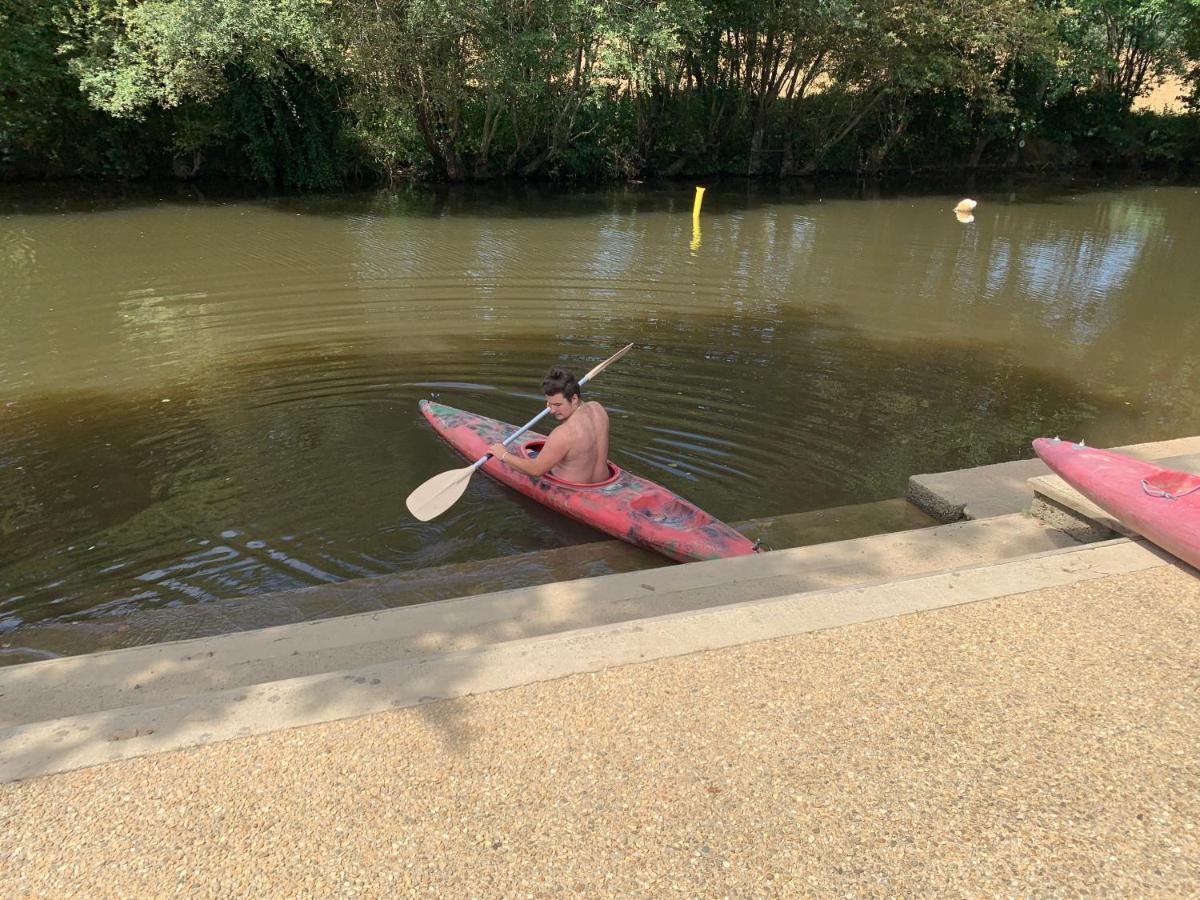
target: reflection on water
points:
(208, 399)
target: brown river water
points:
(209, 398)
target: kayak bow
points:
(1162, 505)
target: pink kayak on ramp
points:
(1162, 505)
(624, 505)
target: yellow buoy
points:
(695, 245)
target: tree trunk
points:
(848, 126)
(754, 165)
(491, 119)
(981, 144)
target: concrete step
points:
(1061, 506)
(361, 595)
(163, 673)
(1002, 489)
(206, 716)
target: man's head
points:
(562, 393)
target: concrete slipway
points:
(445, 658)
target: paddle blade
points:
(439, 493)
(604, 365)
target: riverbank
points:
(80, 710)
(1034, 743)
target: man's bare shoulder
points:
(564, 433)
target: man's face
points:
(560, 407)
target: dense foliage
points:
(312, 93)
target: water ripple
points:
(218, 400)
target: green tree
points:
(296, 92)
(1127, 47)
(42, 114)
(256, 73)
(643, 57)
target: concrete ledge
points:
(51, 640)
(1061, 506)
(1001, 489)
(162, 673)
(89, 739)
(1068, 521)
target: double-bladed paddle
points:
(442, 491)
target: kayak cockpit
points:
(533, 448)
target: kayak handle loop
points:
(1167, 495)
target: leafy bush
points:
(306, 94)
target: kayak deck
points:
(1160, 504)
(624, 505)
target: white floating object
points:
(965, 205)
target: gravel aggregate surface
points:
(1041, 744)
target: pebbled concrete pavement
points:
(1037, 744)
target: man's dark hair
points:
(561, 381)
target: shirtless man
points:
(575, 451)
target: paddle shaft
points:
(582, 381)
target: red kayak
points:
(624, 505)
(1162, 505)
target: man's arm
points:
(551, 455)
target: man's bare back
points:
(585, 436)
